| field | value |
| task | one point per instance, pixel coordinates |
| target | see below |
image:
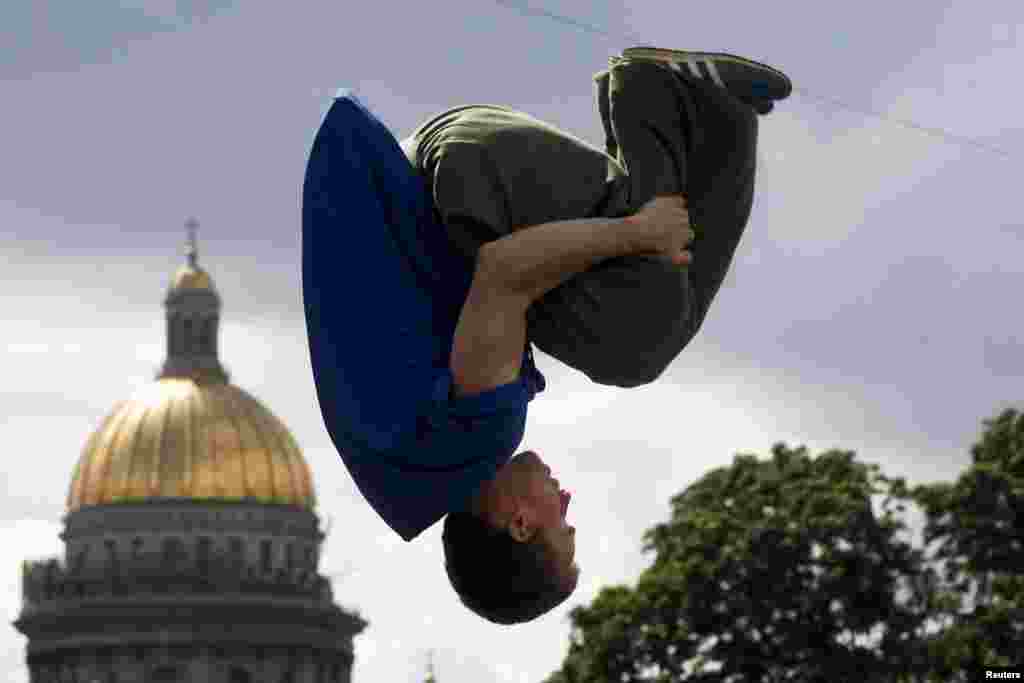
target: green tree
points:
(780, 570)
(777, 570)
(978, 524)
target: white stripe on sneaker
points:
(709, 64)
(675, 67)
(693, 67)
(693, 64)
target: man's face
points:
(527, 500)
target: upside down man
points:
(431, 265)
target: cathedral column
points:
(201, 668)
(130, 668)
(307, 667)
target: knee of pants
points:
(614, 360)
(627, 378)
(634, 362)
(621, 324)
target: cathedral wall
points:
(271, 538)
(192, 665)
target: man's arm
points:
(512, 273)
(490, 338)
(535, 260)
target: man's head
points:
(511, 558)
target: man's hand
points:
(663, 227)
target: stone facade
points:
(184, 591)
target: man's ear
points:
(522, 527)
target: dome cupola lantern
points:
(193, 321)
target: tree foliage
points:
(977, 524)
(780, 569)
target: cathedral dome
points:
(191, 434)
(176, 438)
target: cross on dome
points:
(192, 249)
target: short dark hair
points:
(499, 578)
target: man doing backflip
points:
(431, 266)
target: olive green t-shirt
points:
(492, 170)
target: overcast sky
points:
(873, 305)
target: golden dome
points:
(188, 277)
(180, 439)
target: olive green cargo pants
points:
(625, 320)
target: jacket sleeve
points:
(452, 431)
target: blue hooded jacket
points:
(382, 290)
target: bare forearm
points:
(535, 260)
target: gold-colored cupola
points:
(190, 433)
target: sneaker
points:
(761, 106)
(755, 83)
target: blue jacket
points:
(383, 289)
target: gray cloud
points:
(870, 307)
(39, 36)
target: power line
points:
(568, 21)
(905, 123)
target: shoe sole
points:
(674, 56)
